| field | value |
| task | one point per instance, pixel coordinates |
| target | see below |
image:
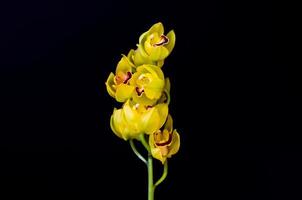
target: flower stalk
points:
(136, 152)
(164, 175)
(150, 178)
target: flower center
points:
(143, 80)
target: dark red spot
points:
(139, 91)
(128, 76)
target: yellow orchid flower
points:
(134, 119)
(149, 84)
(154, 46)
(118, 85)
(164, 143)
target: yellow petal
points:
(160, 63)
(158, 28)
(141, 57)
(167, 84)
(148, 46)
(155, 71)
(133, 119)
(143, 37)
(163, 112)
(154, 118)
(175, 144)
(118, 124)
(154, 89)
(109, 85)
(165, 97)
(123, 92)
(113, 127)
(158, 53)
(131, 115)
(130, 53)
(124, 65)
(172, 38)
(150, 121)
(169, 124)
(130, 57)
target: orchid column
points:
(139, 83)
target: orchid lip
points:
(129, 75)
(163, 40)
(123, 79)
(165, 143)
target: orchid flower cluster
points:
(139, 83)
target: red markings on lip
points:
(128, 76)
(139, 91)
(163, 40)
(165, 143)
(123, 78)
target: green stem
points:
(164, 175)
(136, 152)
(150, 168)
(150, 177)
(144, 142)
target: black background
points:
(55, 137)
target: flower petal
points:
(154, 89)
(130, 113)
(175, 144)
(113, 128)
(160, 63)
(141, 57)
(124, 92)
(158, 53)
(124, 65)
(163, 112)
(150, 121)
(172, 38)
(130, 57)
(154, 70)
(167, 84)
(158, 28)
(119, 126)
(169, 124)
(109, 85)
(143, 37)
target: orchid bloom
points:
(134, 119)
(118, 85)
(164, 143)
(149, 84)
(154, 46)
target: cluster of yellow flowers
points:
(139, 84)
